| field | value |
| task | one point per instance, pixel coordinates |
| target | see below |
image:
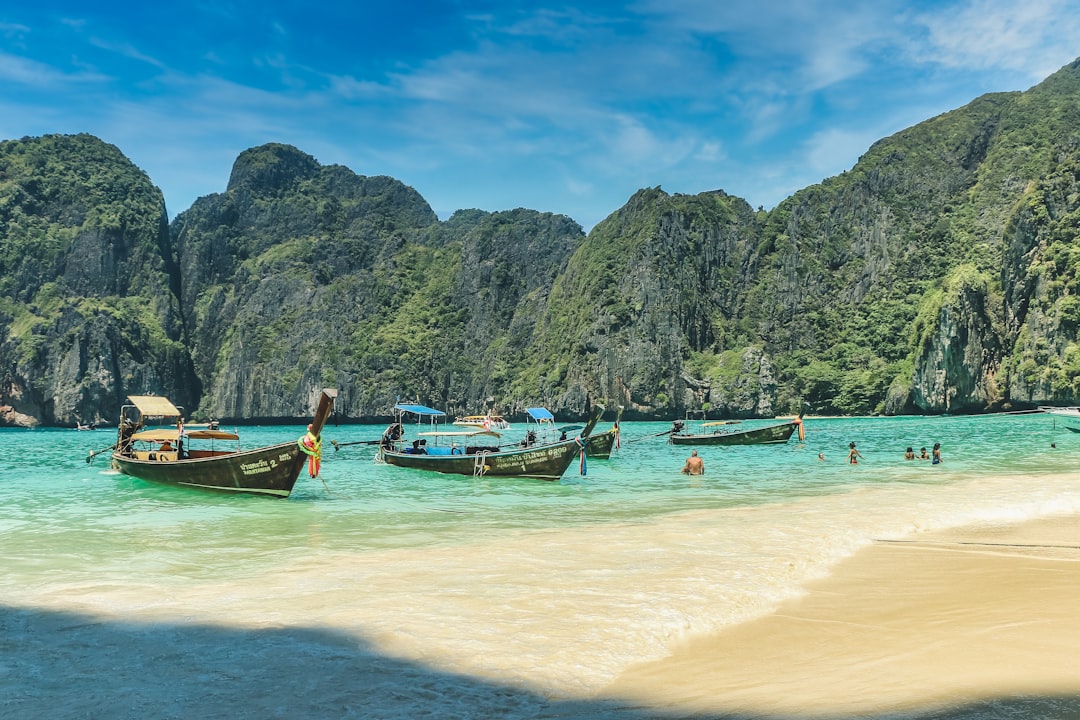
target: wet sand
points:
(977, 622)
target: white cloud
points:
(1035, 37)
(38, 75)
(125, 50)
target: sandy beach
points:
(975, 622)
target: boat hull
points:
(541, 462)
(270, 471)
(599, 446)
(773, 434)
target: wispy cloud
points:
(39, 75)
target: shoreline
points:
(953, 623)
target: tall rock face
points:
(977, 192)
(87, 312)
(500, 290)
(276, 271)
(959, 352)
(653, 286)
(301, 276)
(1040, 275)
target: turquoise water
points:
(555, 587)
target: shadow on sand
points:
(60, 665)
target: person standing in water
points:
(853, 454)
(936, 454)
(694, 465)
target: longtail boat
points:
(477, 452)
(600, 445)
(723, 432)
(206, 458)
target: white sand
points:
(980, 622)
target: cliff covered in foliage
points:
(88, 308)
(939, 274)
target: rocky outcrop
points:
(89, 315)
(651, 285)
(960, 352)
(936, 275)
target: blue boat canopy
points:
(540, 414)
(418, 409)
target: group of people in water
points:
(696, 466)
(934, 456)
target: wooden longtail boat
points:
(174, 455)
(477, 453)
(724, 435)
(600, 445)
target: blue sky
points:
(567, 108)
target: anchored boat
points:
(153, 444)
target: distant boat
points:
(476, 452)
(1070, 412)
(205, 458)
(487, 422)
(80, 426)
(721, 433)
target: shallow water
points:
(554, 588)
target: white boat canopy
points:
(154, 405)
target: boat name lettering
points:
(539, 454)
(255, 468)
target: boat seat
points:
(443, 451)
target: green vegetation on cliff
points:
(940, 273)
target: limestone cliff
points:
(87, 312)
(939, 274)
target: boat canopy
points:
(154, 405)
(419, 409)
(721, 422)
(540, 414)
(157, 435)
(211, 435)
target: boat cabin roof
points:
(540, 414)
(419, 409)
(154, 405)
